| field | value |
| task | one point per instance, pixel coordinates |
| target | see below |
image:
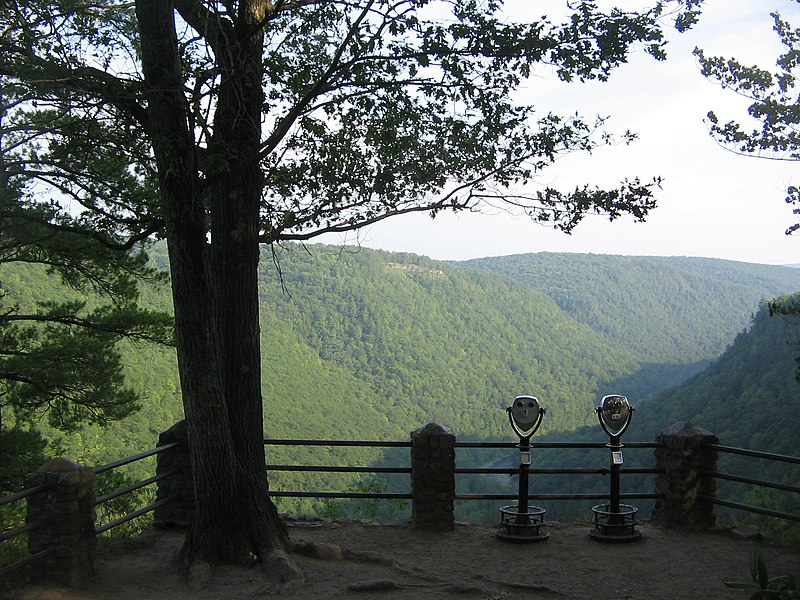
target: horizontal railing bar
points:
(599, 496)
(407, 444)
(754, 509)
(369, 443)
(563, 445)
(27, 560)
(15, 531)
(134, 458)
(757, 454)
(132, 516)
(332, 469)
(387, 496)
(515, 471)
(486, 444)
(21, 495)
(134, 486)
(565, 471)
(377, 496)
(758, 482)
(462, 470)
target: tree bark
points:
(235, 209)
(215, 292)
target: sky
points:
(713, 203)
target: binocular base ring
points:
(521, 527)
(614, 526)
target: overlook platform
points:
(394, 561)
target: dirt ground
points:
(394, 561)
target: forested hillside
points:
(371, 345)
(749, 398)
(677, 314)
(439, 343)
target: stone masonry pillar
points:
(67, 508)
(433, 479)
(178, 484)
(685, 457)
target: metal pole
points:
(524, 466)
(615, 446)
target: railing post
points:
(433, 477)
(67, 510)
(178, 484)
(686, 488)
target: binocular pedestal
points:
(522, 523)
(614, 522)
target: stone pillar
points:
(179, 484)
(433, 478)
(67, 506)
(685, 457)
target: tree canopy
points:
(58, 357)
(221, 125)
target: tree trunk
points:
(235, 208)
(215, 290)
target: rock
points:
(281, 570)
(377, 585)
(199, 575)
(59, 465)
(318, 550)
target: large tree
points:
(251, 122)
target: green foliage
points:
(782, 587)
(669, 310)
(787, 306)
(372, 509)
(21, 453)
(68, 297)
(737, 396)
(774, 529)
(371, 345)
(60, 359)
(115, 508)
(436, 343)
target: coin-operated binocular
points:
(614, 522)
(522, 523)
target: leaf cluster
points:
(782, 587)
(59, 357)
(371, 108)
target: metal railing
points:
(458, 470)
(464, 471)
(22, 529)
(509, 471)
(755, 482)
(132, 487)
(30, 527)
